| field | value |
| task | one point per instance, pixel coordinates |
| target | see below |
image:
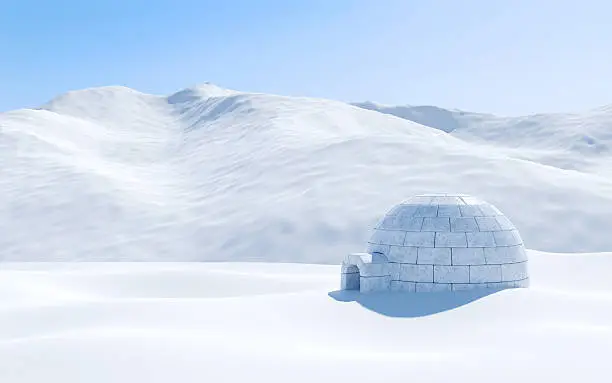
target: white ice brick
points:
(450, 240)
(349, 269)
(379, 258)
(470, 200)
(420, 200)
(389, 222)
(499, 255)
(388, 237)
(374, 284)
(517, 253)
(394, 210)
(403, 254)
(451, 274)
(377, 248)
(434, 256)
(427, 211)
(404, 210)
(509, 285)
(514, 271)
(485, 274)
(468, 256)
(394, 285)
(480, 239)
(432, 287)
(416, 273)
(489, 210)
(522, 283)
(487, 224)
(409, 223)
(394, 270)
(507, 238)
(378, 236)
(374, 269)
(357, 258)
(447, 200)
(401, 286)
(500, 285)
(436, 224)
(470, 211)
(504, 223)
(349, 281)
(449, 211)
(419, 239)
(469, 286)
(464, 224)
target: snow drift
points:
(213, 174)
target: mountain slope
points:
(588, 133)
(212, 174)
(568, 141)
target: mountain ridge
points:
(587, 133)
(115, 174)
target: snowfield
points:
(209, 174)
(234, 322)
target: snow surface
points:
(236, 322)
(213, 174)
(568, 141)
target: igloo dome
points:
(441, 242)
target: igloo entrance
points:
(351, 278)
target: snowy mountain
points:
(569, 141)
(214, 174)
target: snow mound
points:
(115, 174)
(194, 322)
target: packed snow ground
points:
(236, 322)
(213, 174)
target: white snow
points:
(235, 322)
(579, 141)
(212, 174)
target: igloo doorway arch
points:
(351, 278)
(440, 242)
(365, 272)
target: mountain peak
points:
(199, 91)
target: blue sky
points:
(507, 57)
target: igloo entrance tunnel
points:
(441, 242)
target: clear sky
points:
(501, 56)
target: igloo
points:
(441, 242)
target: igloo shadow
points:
(411, 305)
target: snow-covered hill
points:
(213, 174)
(569, 141)
(236, 322)
(588, 133)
